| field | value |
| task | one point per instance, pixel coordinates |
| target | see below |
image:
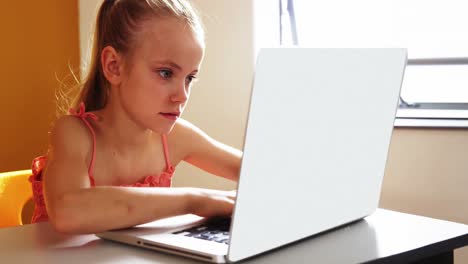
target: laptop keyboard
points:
(216, 229)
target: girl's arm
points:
(75, 207)
(206, 153)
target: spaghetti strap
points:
(166, 152)
(82, 114)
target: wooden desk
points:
(384, 237)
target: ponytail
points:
(94, 90)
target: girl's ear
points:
(112, 63)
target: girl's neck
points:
(120, 130)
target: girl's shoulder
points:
(70, 133)
(70, 125)
(188, 135)
(183, 131)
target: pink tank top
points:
(38, 164)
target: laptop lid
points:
(316, 143)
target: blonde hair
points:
(117, 25)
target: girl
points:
(109, 160)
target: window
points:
(435, 86)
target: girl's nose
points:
(181, 94)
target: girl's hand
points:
(211, 203)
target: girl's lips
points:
(170, 116)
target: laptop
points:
(316, 142)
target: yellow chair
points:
(16, 205)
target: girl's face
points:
(157, 78)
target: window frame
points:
(433, 114)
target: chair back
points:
(15, 198)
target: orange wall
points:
(38, 41)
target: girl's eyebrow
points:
(170, 63)
(173, 64)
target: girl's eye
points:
(165, 74)
(191, 78)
